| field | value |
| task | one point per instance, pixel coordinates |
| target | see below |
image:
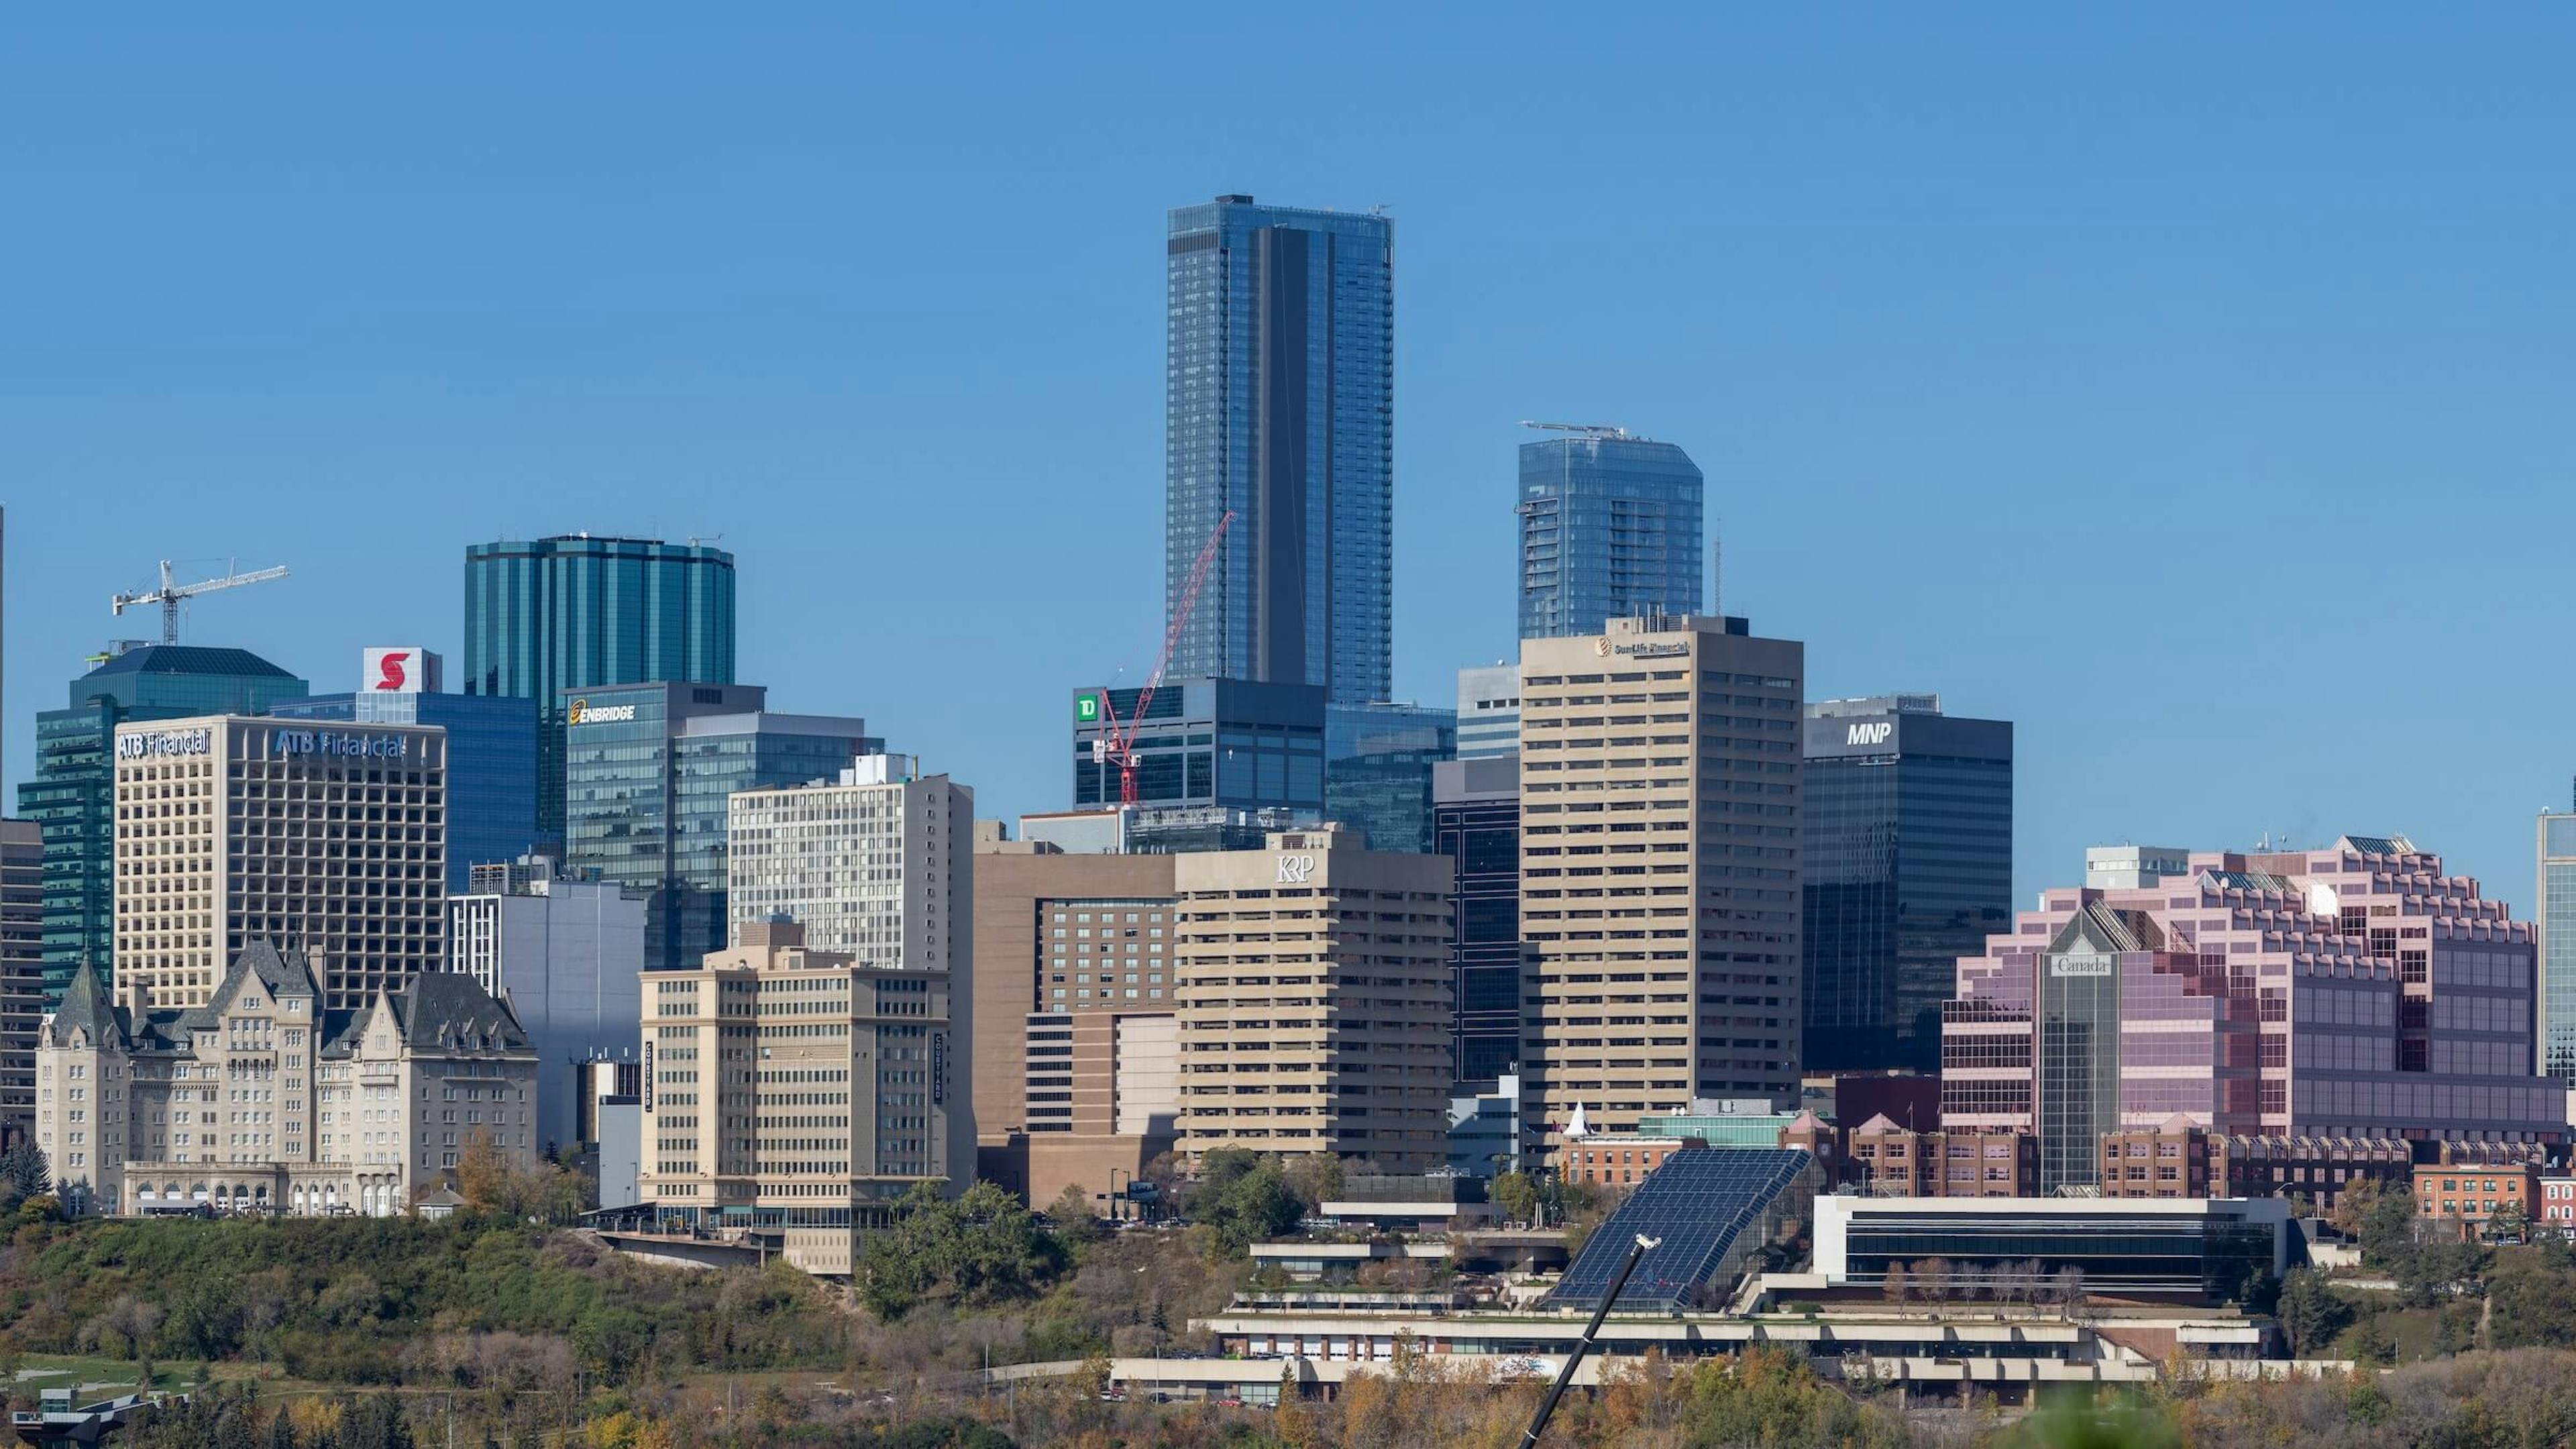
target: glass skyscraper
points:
(1377, 770)
(1908, 854)
(1477, 823)
(1281, 407)
(648, 772)
(2557, 920)
(1610, 529)
(576, 612)
(491, 765)
(73, 797)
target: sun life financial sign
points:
(160, 743)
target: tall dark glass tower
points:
(72, 800)
(1477, 822)
(577, 612)
(1610, 529)
(1908, 837)
(1281, 406)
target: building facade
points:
(1659, 869)
(22, 971)
(1281, 409)
(232, 830)
(649, 775)
(879, 866)
(263, 1098)
(491, 751)
(1378, 760)
(575, 612)
(1489, 711)
(2555, 893)
(73, 797)
(566, 954)
(1314, 1001)
(1229, 743)
(2352, 991)
(1476, 814)
(798, 1090)
(1908, 867)
(1610, 529)
(1102, 1082)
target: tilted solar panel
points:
(1699, 1202)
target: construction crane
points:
(1591, 1336)
(171, 592)
(1117, 744)
(1595, 431)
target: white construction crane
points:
(171, 592)
(1597, 431)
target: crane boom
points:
(1120, 745)
(172, 591)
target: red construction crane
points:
(1118, 743)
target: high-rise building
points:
(358, 1109)
(73, 797)
(2556, 923)
(1314, 1001)
(1489, 711)
(1477, 824)
(566, 953)
(1280, 394)
(858, 1098)
(577, 612)
(1224, 742)
(649, 774)
(22, 970)
(1659, 869)
(1610, 529)
(2354, 991)
(1908, 867)
(878, 866)
(491, 751)
(231, 831)
(1378, 760)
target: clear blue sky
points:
(2190, 388)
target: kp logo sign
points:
(1870, 734)
(1295, 869)
(398, 671)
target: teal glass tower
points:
(1280, 406)
(72, 799)
(578, 612)
(1610, 529)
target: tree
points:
(1073, 1213)
(1897, 1284)
(2510, 1223)
(1316, 1177)
(1516, 1195)
(27, 1171)
(2310, 1312)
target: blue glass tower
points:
(1610, 529)
(491, 765)
(73, 797)
(576, 612)
(1377, 770)
(1281, 406)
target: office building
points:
(879, 866)
(358, 1109)
(1026, 960)
(233, 830)
(2556, 923)
(2130, 867)
(565, 953)
(2350, 991)
(2203, 1251)
(1489, 711)
(1223, 742)
(1280, 391)
(649, 775)
(1908, 867)
(1476, 809)
(1659, 869)
(576, 612)
(1103, 1085)
(73, 797)
(1313, 985)
(22, 971)
(1378, 760)
(491, 750)
(859, 1096)
(611, 1127)
(1485, 1136)
(1610, 529)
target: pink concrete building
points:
(2353, 991)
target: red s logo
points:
(390, 670)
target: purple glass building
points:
(2354, 991)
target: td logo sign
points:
(1086, 709)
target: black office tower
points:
(1476, 821)
(1908, 837)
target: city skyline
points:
(2021, 384)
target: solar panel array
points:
(1699, 1202)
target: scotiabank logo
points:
(401, 669)
(389, 669)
